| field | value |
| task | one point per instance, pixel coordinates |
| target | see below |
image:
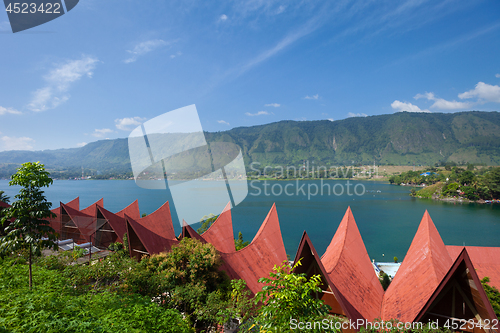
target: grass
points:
(428, 191)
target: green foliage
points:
(3, 197)
(493, 182)
(125, 243)
(466, 178)
(29, 228)
(206, 221)
(240, 306)
(286, 296)
(77, 252)
(188, 279)
(493, 295)
(239, 243)
(395, 259)
(450, 189)
(55, 306)
(384, 279)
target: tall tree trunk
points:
(31, 280)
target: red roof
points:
(117, 223)
(461, 275)
(75, 204)
(258, 258)
(188, 231)
(349, 267)
(422, 270)
(311, 265)
(220, 234)
(486, 261)
(152, 241)
(4, 204)
(131, 210)
(92, 209)
(86, 224)
(156, 230)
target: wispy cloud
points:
(403, 106)
(350, 114)
(223, 122)
(128, 124)
(100, 133)
(223, 18)
(442, 104)
(177, 54)
(143, 48)
(275, 105)
(484, 92)
(13, 143)
(8, 111)
(58, 82)
(497, 75)
(312, 97)
(260, 113)
(81, 144)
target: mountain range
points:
(401, 138)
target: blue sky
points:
(108, 65)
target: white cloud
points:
(350, 114)
(223, 18)
(484, 92)
(178, 54)
(442, 104)
(125, 123)
(144, 48)
(223, 122)
(331, 119)
(497, 75)
(312, 97)
(260, 113)
(99, 133)
(402, 106)
(59, 81)
(8, 110)
(13, 143)
(276, 105)
(81, 144)
(280, 9)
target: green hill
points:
(402, 138)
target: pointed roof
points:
(422, 270)
(461, 284)
(152, 241)
(220, 234)
(75, 204)
(131, 210)
(92, 209)
(189, 232)
(4, 204)
(117, 223)
(311, 265)
(258, 258)
(85, 223)
(486, 260)
(350, 269)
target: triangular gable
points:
(420, 273)
(136, 247)
(349, 267)
(152, 242)
(84, 224)
(189, 232)
(258, 258)
(220, 234)
(486, 260)
(92, 209)
(131, 210)
(75, 204)
(311, 265)
(459, 295)
(116, 222)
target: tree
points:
(206, 222)
(29, 228)
(4, 197)
(288, 296)
(240, 243)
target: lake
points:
(386, 215)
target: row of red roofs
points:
(350, 284)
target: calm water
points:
(387, 219)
